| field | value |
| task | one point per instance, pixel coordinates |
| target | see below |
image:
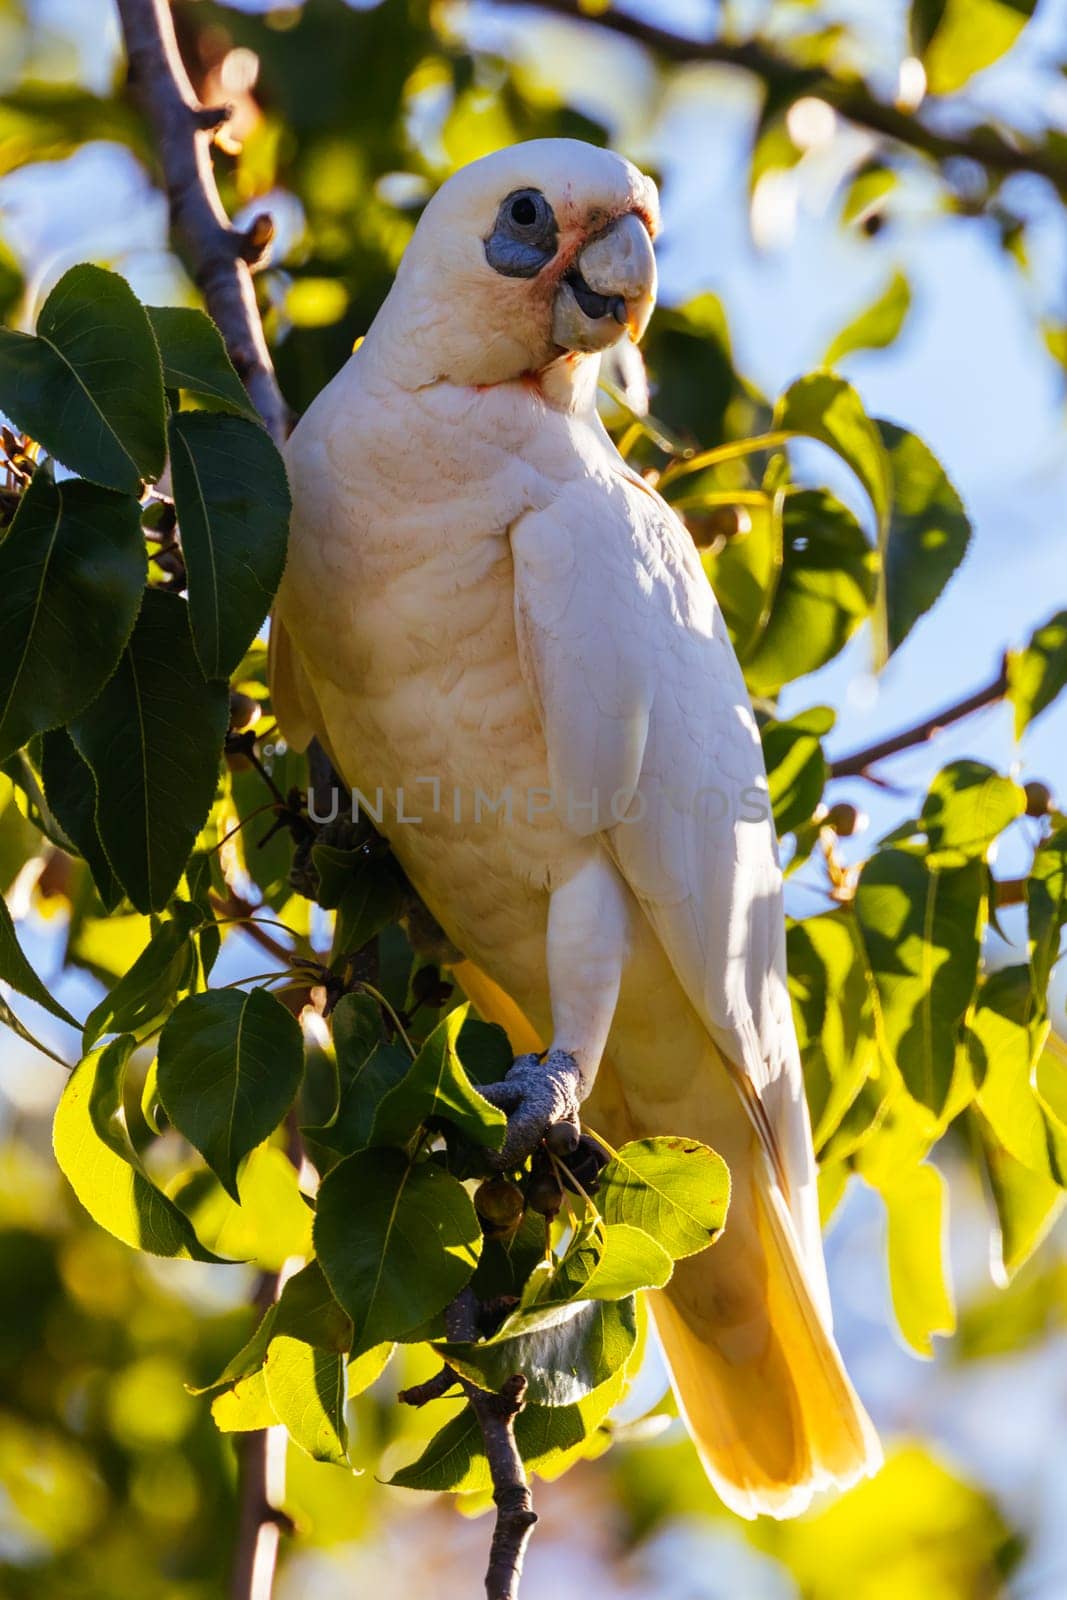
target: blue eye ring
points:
(525, 236)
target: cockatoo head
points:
(520, 258)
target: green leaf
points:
(153, 739)
(1027, 1203)
(1005, 1037)
(825, 591)
(922, 930)
(967, 806)
(94, 1153)
(957, 38)
(864, 193)
(232, 499)
(305, 1310)
(505, 1264)
(72, 572)
(273, 1221)
(744, 576)
(89, 387)
(616, 1261)
(367, 1068)
(927, 537)
(397, 1241)
(796, 766)
(676, 1190)
(71, 794)
(1046, 908)
(878, 325)
(564, 1352)
(229, 1068)
(195, 359)
(147, 990)
(917, 1216)
(245, 1407)
(437, 1086)
(368, 1368)
(832, 1005)
(1037, 674)
(485, 1051)
(306, 1390)
(16, 970)
(823, 406)
(369, 904)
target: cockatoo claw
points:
(540, 1097)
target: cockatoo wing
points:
(652, 740)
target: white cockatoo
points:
(493, 620)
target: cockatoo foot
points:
(540, 1098)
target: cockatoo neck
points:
(415, 344)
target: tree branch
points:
(218, 252)
(848, 95)
(496, 1413)
(856, 764)
(221, 258)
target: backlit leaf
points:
(1046, 907)
(796, 766)
(967, 806)
(1027, 1203)
(564, 1352)
(957, 38)
(93, 1149)
(676, 1190)
(832, 1006)
(823, 406)
(878, 325)
(921, 930)
(824, 591)
(927, 537)
(1037, 674)
(306, 1390)
(917, 1215)
(273, 1221)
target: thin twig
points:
(435, 1388)
(849, 95)
(217, 251)
(856, 764)
(496, 1413)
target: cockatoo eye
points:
(525, 236)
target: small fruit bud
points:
(844, 819)
(1038, 798)
(562, 1138)
(581, 1170)
(544, 1193)
(714, 528)
(243, 711)
(499, 1203)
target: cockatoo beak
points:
(609, 289)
